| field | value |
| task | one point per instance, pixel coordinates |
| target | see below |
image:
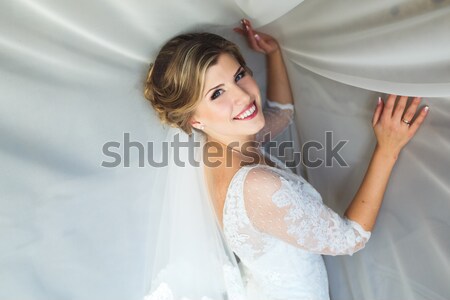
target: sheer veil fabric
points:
(191, 259)
(71, 80)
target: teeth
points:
(247, 113)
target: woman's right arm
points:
(392, 133)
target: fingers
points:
(401, 115)
(251, 36)
(411, 111)
(389, 107)
(377, 113)
(263, 44)
(239, 30)
(394, 131)
(419, 120)
(249, 33)
(400, 108)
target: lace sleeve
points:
(292, 210)
(277, 118)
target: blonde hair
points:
(176, 78)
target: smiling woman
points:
(229, 111)
(174, 81)
(272, 219)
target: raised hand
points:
(394, 123)
(258, 41)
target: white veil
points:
(189, 256)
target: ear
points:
(197, 124)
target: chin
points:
(260, 126)
(255, 128)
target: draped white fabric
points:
(71, 80)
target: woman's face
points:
(230, 105)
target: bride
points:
(270, 218)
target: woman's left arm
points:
(394, 128)
(278, 86)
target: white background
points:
(71, 79)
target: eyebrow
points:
(235, 74)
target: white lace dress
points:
(278, 226)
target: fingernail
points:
(246, 27)
(426, 108)
(379, 100)
(257, 37)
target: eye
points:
(216, 94)
(240, 75)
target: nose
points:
(241, 95)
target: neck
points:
(239, 144)
(246, 150)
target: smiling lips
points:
(248, 113)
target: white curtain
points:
(71, 81)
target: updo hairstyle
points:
(176, 79)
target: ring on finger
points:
(406, 122)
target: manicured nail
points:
(379, 100)
(426, 108)
(257, 37)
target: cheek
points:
(224, 110)
(251, 86)
(218, 112)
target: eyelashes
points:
(238, 77)
(216, 94)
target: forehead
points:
(225, 64)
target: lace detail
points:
(299, 215)
(237, 236)
(280, 105)
(277, 224)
